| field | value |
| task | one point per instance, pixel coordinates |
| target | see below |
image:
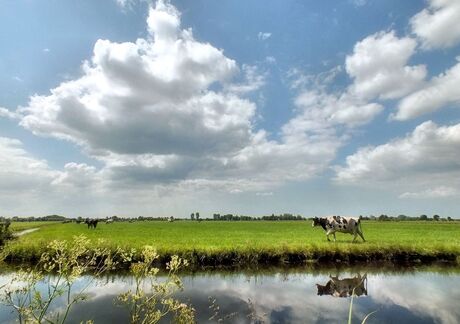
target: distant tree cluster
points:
(53, 218)
(383, 218)
(272, 217)
(144, 218)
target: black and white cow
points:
(92, 223)
(340, 224)
(344, 287)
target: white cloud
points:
(439, 92)
(23, 174)
(5, 113)
(327, 110)
(125, 3)
(78, 175)
(438, 25)
(254, 80)
(19, 171)
(263, 36)
(301, 81)
(438, 192)
(379, 67)
(46, 50)
(429, 157)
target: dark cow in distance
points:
(92, 223)
(344, 287)
(332, 224)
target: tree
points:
(192, 216)
(436, 217)
(197, 215)
(5, 232)
(449, 219)
(423, 217)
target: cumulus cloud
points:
(148, 97)
(437, 26)
(166, 110)
(439, 92)
(321, 109)
(426, 158)
(22, 173)
(379, 67)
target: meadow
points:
(20, 226)
(218, 243)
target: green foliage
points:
(150, 306)
(65, 261)
(5, 232)
(60, 266)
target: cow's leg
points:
(361, 234)
(334, 236)
(355, 234)
(327, 235)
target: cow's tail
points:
(359, 223)
(360, 228)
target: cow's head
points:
(316, 222)
(325, 290)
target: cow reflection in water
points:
(344, 287)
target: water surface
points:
(291, 297)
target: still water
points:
(300, 296)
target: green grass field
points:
(20, 226)
(252, 242)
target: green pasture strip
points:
(20, 226)
(216, 242)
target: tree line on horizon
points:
(225, 217)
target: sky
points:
(164, 108)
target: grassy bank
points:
(263, 242)
(20, 226)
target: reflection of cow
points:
(344, 287)
(339, 224)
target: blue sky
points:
(163, 108)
